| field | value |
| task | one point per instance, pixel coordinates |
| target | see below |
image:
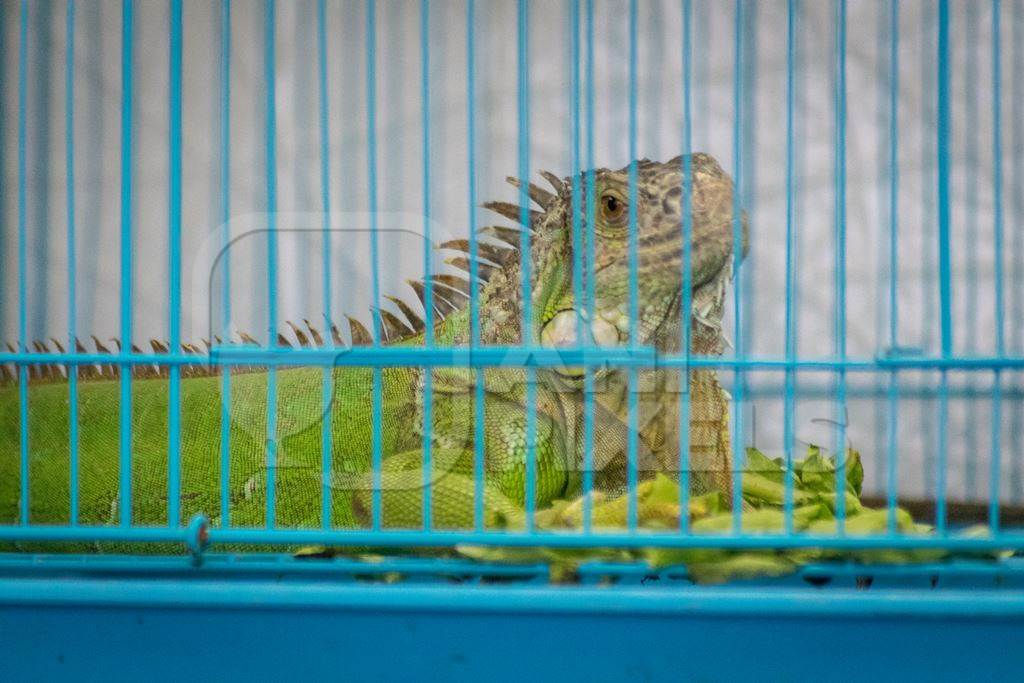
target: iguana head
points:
(659, 209)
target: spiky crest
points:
(450, 294)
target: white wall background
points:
(97, 120)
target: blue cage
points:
(204, 190)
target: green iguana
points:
(300, 410)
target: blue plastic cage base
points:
(268, 616)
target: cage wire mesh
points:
(877, 148)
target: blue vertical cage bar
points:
(687, 266)
(737, 223)
(174, 270)
(573, 26)
(125, 423)
(270, 144)
(371, 141)
(1000, 303)
(591, 208)
(69, 157)
(523, 88)
(22, 262)
(632, 444)
(944, 131)
(789, 407)
(579, 240)
(840, 261)
(428, 285)
(971, 142)
(325, 262)
(894, 201)
(41, 71)
(1017, 248)
(474, 268)
(884, 10)
(225, 243)
(750, 182)
(5, 22)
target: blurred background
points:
(739, 82)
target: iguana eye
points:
(612, 208)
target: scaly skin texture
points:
(300, 412)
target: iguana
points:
(300, 409)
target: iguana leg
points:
(452, 477)
(453, 490)
(505, 433)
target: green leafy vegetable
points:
(764, 493)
